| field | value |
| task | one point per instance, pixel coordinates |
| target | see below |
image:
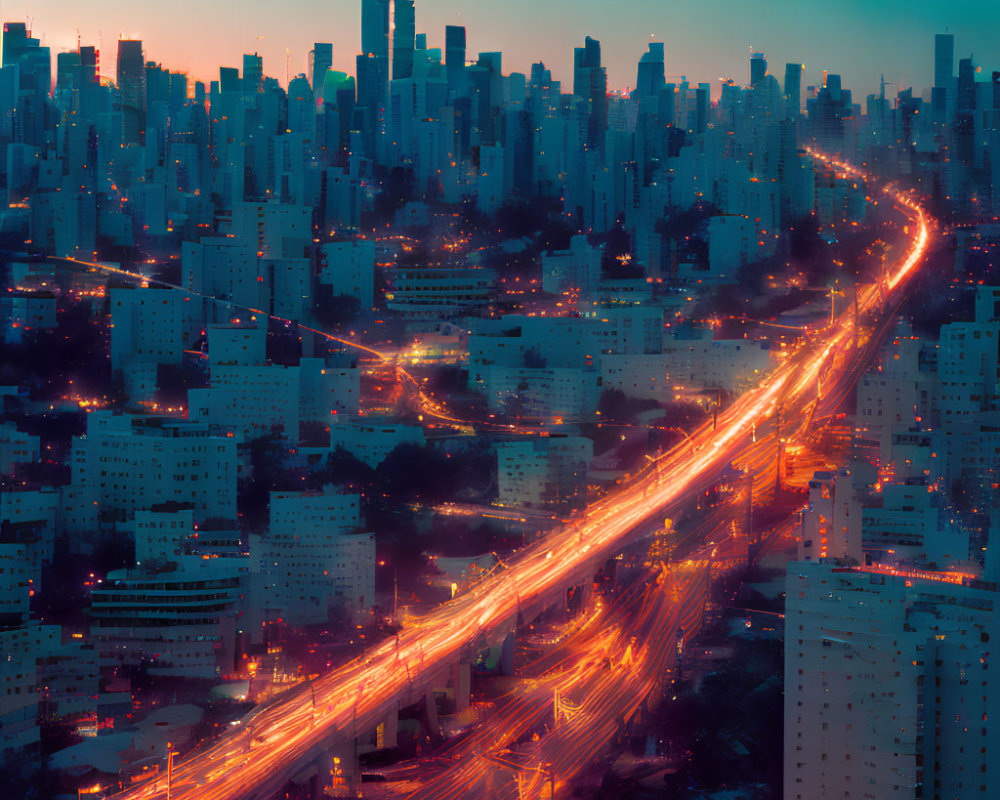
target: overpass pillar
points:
(390, 728)
(463, 685)
(507, 655)
(430, 707)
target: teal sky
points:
(705, 40)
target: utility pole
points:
(395, 596)
(777, 436)
(170, 768)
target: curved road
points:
(271, 746)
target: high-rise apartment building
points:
(888, 685)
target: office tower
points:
(454, 56)
(590, 82)
(584, 59)
(253, 73)
(944, 59)
(229, 80)
(651, 77)
(701, 107)
(373, 63)
(965, 109)
(320, 60)
(67, 71)
(403, 36)
(131, 77)
(89, 63)
(301, 108)
(793, 89)
(131, 73)
(758, 68)
(942, 94)
(966, 96)
(375, 27)
(16, 40)
(157, 84)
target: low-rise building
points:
(543, 472)
(313, 558)
(181, 622)
(128, 463)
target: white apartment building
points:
(349, 269)
(183, 622)
(313, 557)
(128, 463)
(258, 400)
(968, 369)
(16, 448)
(903, 528)
(20, 650)
(439, 292)
(565, 394)
(543, 472)
(831, 523)
(576, 269)
(887, 686)
(15, 581)
(160, 535)
(242, 343)
(370, 440)
(30, 518)
(900, 392)
(147, 326)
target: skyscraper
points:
(454, 56)
(16, 40)
(253, 73)
(944, 59)
(793, 89)
(375, 27)
(131, 72)
(758, 68)
(373, 63)
(403, 35)
(590, 82)
(652, 71)
(944, 75)
(131, 76)
(320, 60)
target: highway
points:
(274, 742)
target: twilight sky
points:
(705, 40)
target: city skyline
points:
(857, 43)
(446, 417)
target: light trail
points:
(428, 406)
(352, 699)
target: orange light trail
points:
(277, 739)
